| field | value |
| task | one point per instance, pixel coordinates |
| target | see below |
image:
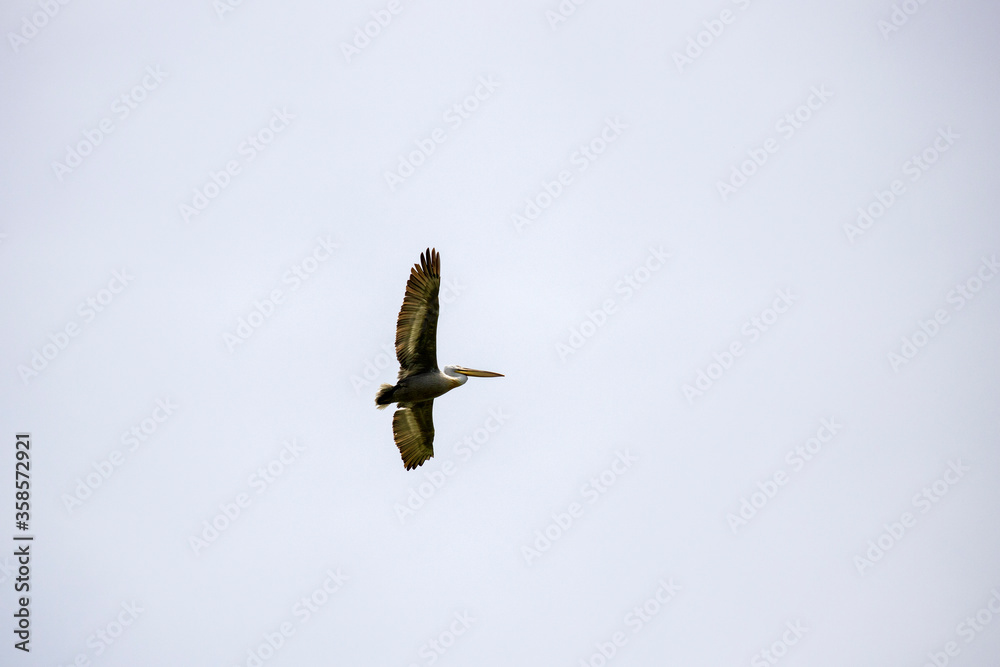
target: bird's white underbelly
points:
(422, 387)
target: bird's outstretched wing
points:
(413, 431)
(416, 327)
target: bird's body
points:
(423, 386)
(420, 381)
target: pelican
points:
(420, 381)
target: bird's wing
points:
(416, 327)
(413, 431)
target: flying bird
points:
(420, 381)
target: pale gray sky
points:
(737, 260)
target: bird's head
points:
(462, 374)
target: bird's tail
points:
(384, 396)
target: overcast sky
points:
(738, 261)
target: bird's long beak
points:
(472, 372)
